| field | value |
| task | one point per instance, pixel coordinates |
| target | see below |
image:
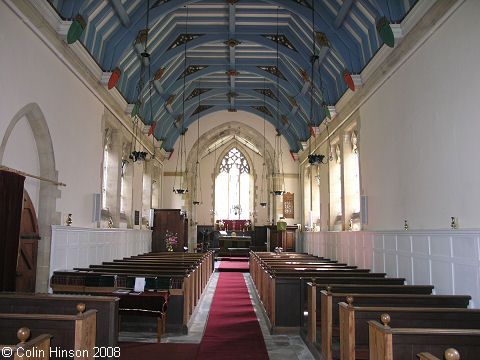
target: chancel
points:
(233, 179)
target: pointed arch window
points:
(105, 177)
(232, 187)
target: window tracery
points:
(234, 158)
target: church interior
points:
(239, 179)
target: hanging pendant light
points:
(278, 177)
(182, 187)
(315, 159)
(263, 201)
(197, 186)
(137, 155)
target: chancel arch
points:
(215, 143)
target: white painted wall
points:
(448, 259)
(31, 73)
(419, 134)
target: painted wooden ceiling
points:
(226, 55)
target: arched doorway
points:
(48, 193)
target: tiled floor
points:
(280, 347)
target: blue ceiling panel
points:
(349, 26)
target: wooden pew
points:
(313, 302)
(106, 306)
(330, 318)
(450, 354)
(37, 348)
(70, 333)
(182, 275)
(387, 343)
(282, 292)
(354, 323)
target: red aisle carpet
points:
(226, 265)
(233, 331)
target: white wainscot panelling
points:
(442, 276)
(390, 241)
(391, 264)
(441, 245)
(378, 260)
(421, 270)
(420, 245)
(449, 260)
(80, 247)
(465, 247)
(405, 268)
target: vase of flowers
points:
(171, 240)
(278, 250)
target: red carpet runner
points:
(226, 265)
(233, 331)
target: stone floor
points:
(280, 347)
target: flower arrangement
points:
(171, 240)
(247, 225)
(278, 250)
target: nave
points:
(279, 347)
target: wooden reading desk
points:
(236, 244)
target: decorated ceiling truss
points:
(231, 48)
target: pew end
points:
(390, 343)
(37, 348)
(450, 354)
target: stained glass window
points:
(232, 187)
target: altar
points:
(234, 245)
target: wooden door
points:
(27, 248)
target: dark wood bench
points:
(387, 343)
(282, 292)
(182, 275)
(312, 303)
(330, 318)
(74, 332)
(354, 323)
(106, 306)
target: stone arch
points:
(227, 129)
(49, 193)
